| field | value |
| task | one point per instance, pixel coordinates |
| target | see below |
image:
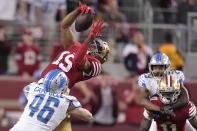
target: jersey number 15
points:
(66, 60)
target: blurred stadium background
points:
(154, 18)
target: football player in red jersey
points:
(168, 92)
(74, 60)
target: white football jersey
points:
(151, 83)
(44, 110)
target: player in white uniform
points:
(168, 93)
(48, 105)
(159, 66)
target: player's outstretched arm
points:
(80, 113)
(193, 121)
(66, 34)
(145, 125)
(183, 99)
(145, 102)
(70, 18)
(79, 57)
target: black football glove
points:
(154, 115)
(164, 111)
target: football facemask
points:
(100, 50)
(168, 90)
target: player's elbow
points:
(141, 102)
(64, 25)
(88, 116)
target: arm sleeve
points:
(192, 110)
(80, 58)
(27, 90)
(96, 67)
(180, 76)
(73, 101)
(22, 99)
(141, 81)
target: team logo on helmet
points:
(160, 59)
(169, 89)
(100, 51)
(56, 81)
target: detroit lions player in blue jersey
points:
(48, 105)
(159, 67)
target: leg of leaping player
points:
(65, 125)
(75, 55)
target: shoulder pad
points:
(192, 110)
(71, 98)
(141, 81)
(179, 74)
(148, 75)
(29, 87)
(74, 102)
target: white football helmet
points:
(160, 59)
(169, 89)
(56, 81)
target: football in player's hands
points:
(83, 21)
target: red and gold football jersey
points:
(176, 123)
(65, 62)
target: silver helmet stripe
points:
(94, 66)
(97, 68)
(168, 76)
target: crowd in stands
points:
(38, 19)
(5, 120)
(174, 11)
(41, 18)
(27, 55)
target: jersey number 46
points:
(46, 112)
